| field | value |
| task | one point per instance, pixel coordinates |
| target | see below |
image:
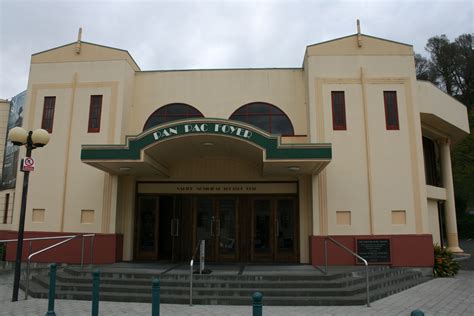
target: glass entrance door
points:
(226, 229)
(235, 228)
(285, 226)
(216, 223)
(274, 229)
(147, 237)
(262, 230)
(205, 222)
(162, 228)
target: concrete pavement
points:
(468, 246)
(444, 296)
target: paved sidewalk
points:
(446, 296)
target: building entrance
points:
(236, 228)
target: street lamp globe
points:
(40, 137)
(18, 136)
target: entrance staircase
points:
(291, 285)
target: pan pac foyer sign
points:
(205, 128)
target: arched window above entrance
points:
(171, 112)
(265, 116)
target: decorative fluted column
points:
(449, 207)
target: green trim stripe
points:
(226, 128)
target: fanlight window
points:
(265, 116)
(171, 112)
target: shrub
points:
(444, 264)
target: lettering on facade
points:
(213, 128)
(218, 188)
(374, 250)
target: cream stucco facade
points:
(372, 184)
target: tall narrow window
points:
(391, 110)
(95, 111)
(432, 164)
(7, 204)
(48, 114)
(338, 111)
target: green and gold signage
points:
(270, 144)
(203, 128)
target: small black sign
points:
(374, 250)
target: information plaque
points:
(374, 250)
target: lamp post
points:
(31, 140)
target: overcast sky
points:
(213, 34)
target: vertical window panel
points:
(95, 111)
(391, 110)
(338, 111)
(48, 114)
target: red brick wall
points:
(107, 248)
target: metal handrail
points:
(352, 253)
(191, 264)
(68, 238)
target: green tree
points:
(451, 66)
(424, 69)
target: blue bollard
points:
(95, 292)
(52, 289)
(417, 312)
(257, 304)
(155, 303)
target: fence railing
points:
(201, 245)
(325, 271)
(66, 240)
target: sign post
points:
(202, 255)
(27, 164)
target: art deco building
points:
(260, 163)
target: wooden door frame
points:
(253, 256)
(294, 256)
(138, 255)
(273, 256)
(236, 256)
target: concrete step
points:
(271, 290)
(247, 276)
(346, 289)
(234, 283)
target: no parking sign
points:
(27, 164)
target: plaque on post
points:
(374, 250)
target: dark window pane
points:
(226, 226)
(240, 118)
(48, 113)
(171, 112)
(262, 122)
(258, 108)
(95, 111)
(391, 110)
(280, 125)
(241, 111)
(338, 110)
(262, 212)
(432, 164)
(177, 109)
(285, 225)
(147, 223)
(264, 116)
